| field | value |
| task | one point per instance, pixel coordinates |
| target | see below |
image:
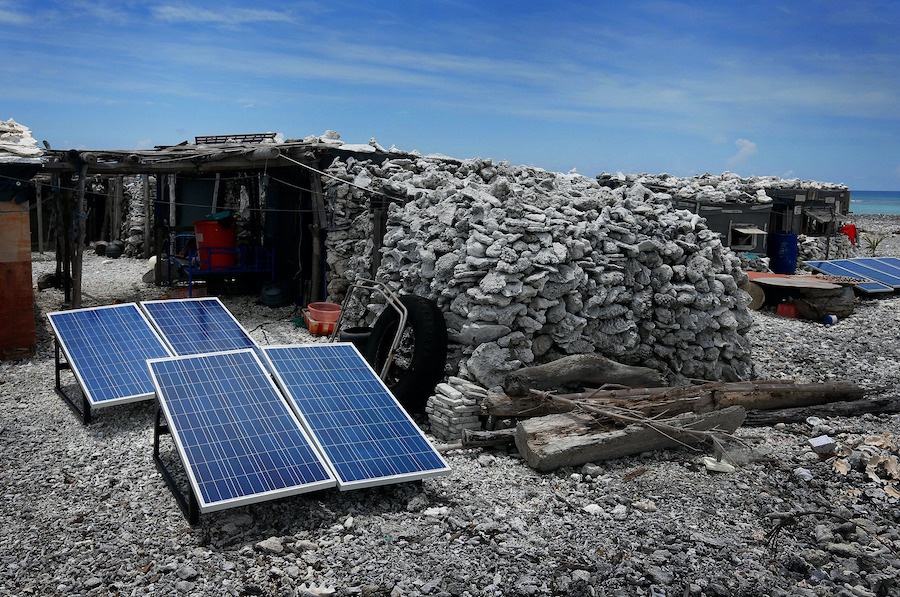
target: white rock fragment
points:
(717, 466)
(823, 445)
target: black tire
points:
(419, 363)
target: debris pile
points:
(17, 144)
(529, 265)
(454, 408)
(714, 188)
(875, 459)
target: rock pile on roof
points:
(527, 265)
(714, 188)
(17, 144)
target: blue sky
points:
(796, 88)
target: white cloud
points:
(223, 16)
(745, 150)
(11, 17)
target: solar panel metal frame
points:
(881, 275)
(116, 349)
(172, 338)
(185, 448)
(337, 402)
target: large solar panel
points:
(363, 432)
(107, 349)
(197, 326)
(238, 439)
(880, 274)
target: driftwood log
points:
(853, 408)
(670, 401)
(585, 369)
(572, 439)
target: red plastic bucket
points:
(215, 244)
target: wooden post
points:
(215, 197)
(106, 224)
(40, 216)
(145, 188)
(379, 227)
(319, 224)
(80, 221)
(173, 215)
(118, 197)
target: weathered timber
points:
(572, 439)
(674, 400)
(855, 408)
(474, 438)
(583, 369)
(537, 404)
(775, 395)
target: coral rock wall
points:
(528, 265)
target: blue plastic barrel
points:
(783, 253)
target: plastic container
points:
(326, 312)
(317, 328)
(215, 244)
(830, 319)
(786, 310)
(783, 253)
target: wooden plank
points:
(573, 439)
(804, 282)
(674, 400)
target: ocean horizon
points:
(875, 202)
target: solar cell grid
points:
(881, 274)
(362, 430)
(197, 326)
(107, 348)
(239, 441)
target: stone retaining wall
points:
(528, 265)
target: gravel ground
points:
(84, 511)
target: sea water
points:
(875, 202)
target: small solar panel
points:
(197, 326)
(881, 274)
(107, 348)
(238, 439)
(365, 435)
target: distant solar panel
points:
(197, 326)
(366, 436)
(238, 439)
(881, 274)
(107, 349)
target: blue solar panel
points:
(238, 439)
(366, 436)
(107, 348)
(197, 326)
(881, 274)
